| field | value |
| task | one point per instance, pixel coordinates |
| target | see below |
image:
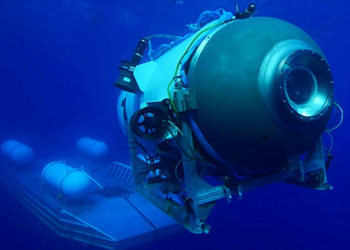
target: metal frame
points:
(201, 196)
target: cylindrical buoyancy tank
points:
(17, 151)
(92, 147)
(264, 92)
(70, 181)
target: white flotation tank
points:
(92, 147)
(70, 181)
(17, 151)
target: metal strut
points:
(200, 196)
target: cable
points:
(177, 165)
(331, 138)
(189, 146)
(171, 123)
(163, 36)
(196, 156)
(341, 118)
(332, 129)
(179, 145)
(334, 120)
(178, 64)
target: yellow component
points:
(178, 64)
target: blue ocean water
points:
(58, 60)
